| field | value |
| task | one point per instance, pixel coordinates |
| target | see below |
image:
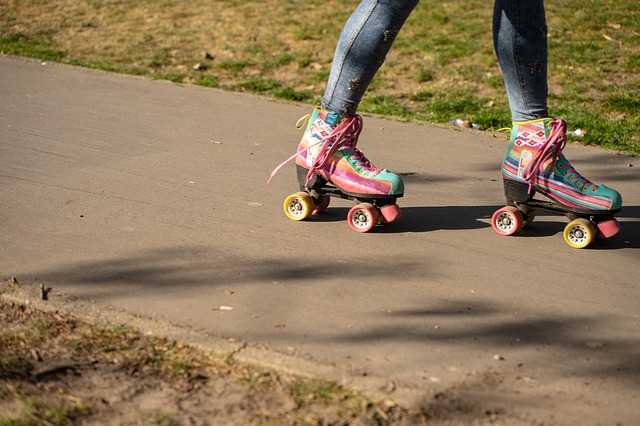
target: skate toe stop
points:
(391, 213)
(608, 228)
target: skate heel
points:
(316, 181)
(516, 191)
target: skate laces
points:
(552, 150)
(360, 161)
(573, 174)
(346, 135)
(502, 132)
(302, 122)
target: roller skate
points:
(328, 164)
(534, 163)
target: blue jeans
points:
(520, 42)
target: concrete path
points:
(150, 199)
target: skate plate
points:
(582, 229)
(368, 212)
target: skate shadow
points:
(629, 235)
(427, 219)
(422, 219)
(330, 214)
(547, 225)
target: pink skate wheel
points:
(363, 217)
(391, 213)
(507, 220)
(608, 228)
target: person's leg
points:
(361, 50)
(520, 41)
(534, 159)
(327, 150)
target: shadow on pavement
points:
(429, 219)
(422, 219)
(584, 340)
(487, 325)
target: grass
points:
(442, 66)
(105, 342)
(38, 411)
(108, 353)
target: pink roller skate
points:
(329, 164)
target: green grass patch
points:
(385, 105)
(206, 80)
(308, 391)
(35, 46)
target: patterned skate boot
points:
(534, 163)
(328, 163)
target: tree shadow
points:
(474, 322)
(156, 271)
(193, 272)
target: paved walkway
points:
(149, 199)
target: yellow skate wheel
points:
(298, 206)
(579, 233)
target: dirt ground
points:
(58, 369)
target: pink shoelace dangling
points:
(552, 149)
(345, 134)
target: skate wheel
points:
(322, 204)
(608, 228)
(363, 217)
(507, 220)
(298, 206)
(579, 233)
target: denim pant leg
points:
(362, 48)
(520, 41)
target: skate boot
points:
(328, 163)
(534, 163)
